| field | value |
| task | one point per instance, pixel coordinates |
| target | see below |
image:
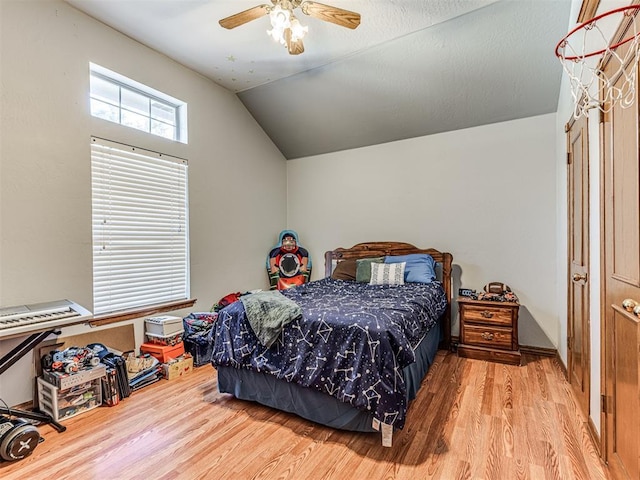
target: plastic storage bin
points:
(171, 339)
(64, 381)
(165, 325)
(67, 403)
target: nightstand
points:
(489, 330)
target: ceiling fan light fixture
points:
(280, 17)
(286, 29)
(276, 35)
(280, 21)
(298, 31)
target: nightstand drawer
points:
(488, 337)
(488, 314)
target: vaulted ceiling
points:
(412, 67)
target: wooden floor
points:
(471, 420)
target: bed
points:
(357, 354)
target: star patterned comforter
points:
(352, 341)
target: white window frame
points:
(140, 224)
(123, 83)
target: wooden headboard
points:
(379, 249)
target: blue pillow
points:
(420, 267)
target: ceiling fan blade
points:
(295, 47)
(244, 17)
(344, 18)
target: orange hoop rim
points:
(561, 44)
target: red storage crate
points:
(163, 352)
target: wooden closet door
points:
(578, 330)
(621, 280)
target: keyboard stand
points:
(12, 357)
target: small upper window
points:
(129, 103)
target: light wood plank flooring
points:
(472, 420)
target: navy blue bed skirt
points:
(315, 405)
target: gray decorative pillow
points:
(363, 268)
(387, 273)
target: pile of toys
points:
(70, 360)
(71, 382)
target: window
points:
(140, 227)
(121, 100)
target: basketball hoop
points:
(581, 52)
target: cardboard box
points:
(67, 380)
(163, 352)
(179, 367)
(165, 325)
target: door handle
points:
(577, 277)
(630, 305)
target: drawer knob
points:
(486, 314)
(487, 335)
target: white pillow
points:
(387, 273)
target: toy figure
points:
(288, 263)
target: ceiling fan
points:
(286, 27)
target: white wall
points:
(487, 195)
(237, 184)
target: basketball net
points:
(581, 53)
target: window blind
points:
(140, 227)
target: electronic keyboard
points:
(25, 319)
